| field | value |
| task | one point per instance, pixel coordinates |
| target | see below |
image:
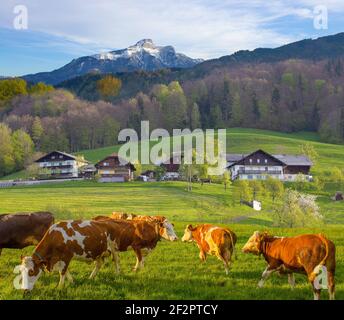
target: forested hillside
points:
(286, 96)
(262, 89)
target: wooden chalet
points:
(259, 165)
(111, 169)
(60, 165)
(172, 166)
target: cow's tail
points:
(233, 244)
(318, 268)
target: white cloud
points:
(199, 28)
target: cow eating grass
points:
(305, 254)
(212, 240)
(64, 241)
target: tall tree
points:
(195, 118)
(237, 112)
(37, 132)
(7, 162)
(109, 87)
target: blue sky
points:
(59, 31)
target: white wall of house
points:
(50, 164)
(259, 173)
(256, 172)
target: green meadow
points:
(173, 270)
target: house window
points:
(106, 164)
(258, 160)
(251, 160)
(52, 157)
(250, 177)
(61, 157)
(266, 160)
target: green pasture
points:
(173, 269)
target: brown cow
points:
(139, 235)
(64, 241)
(134, 217)
(122, 216)
(18, 231)
(153, 219)
(212, 240)
(304, 254)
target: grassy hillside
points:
(248, 140)
(178, 261)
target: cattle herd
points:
(105, 236)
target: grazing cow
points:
(82, 240)
(134, 217)
(305, 254)
(122, 216)
(216, 241)
(154, 219)
(141, 236)
(18, 231)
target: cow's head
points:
(166, 230)
(187, 237)
(30, 270)
(254, 243)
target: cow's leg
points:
(138, 259)
(116, 260)
(115, 256)
(331, 285)
(63, 273)
(62, 268)
(311, 278)
(98, 265)
(267, 272)
(291, 280)
(144, 255)
(225, 258)
(202, 256)
(69, 277)
(316, 293)
(62, 280)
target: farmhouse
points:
(110, 169)
(60, 165)
(172, 166)
(260, 164)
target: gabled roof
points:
(234, 157)
(294, 160)
(116, 156)
(70, 156)
(284, 159)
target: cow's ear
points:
(189, 227)
(161, 224)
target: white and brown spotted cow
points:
(64, 241)
(212, 240)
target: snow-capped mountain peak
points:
(144, 55)
(146, 49)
